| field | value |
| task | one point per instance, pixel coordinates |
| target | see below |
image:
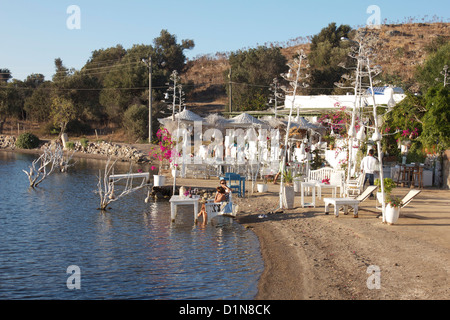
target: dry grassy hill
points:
(401, 48)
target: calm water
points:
(130, 252)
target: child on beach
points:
(203, 214)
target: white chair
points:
(355, 186)
(409, 197)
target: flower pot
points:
(381, 197)
(391, 214)
(297, 185)
(262, 187)
(159, 180)
(288, 197)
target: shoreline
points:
(312, 256)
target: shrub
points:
(84, 142)
(135, 121)
(70, 145)
(27, 141)
(389, 184)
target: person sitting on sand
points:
(220, 195)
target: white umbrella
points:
(244, 119)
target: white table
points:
(333, 188)
(311, 185)
(178, 201)
(341, 202)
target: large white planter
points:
(262, 187)
(297, 185)
(288, 197)
(159, 180)
(381, 197)
(391, 214)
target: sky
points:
(35, 32)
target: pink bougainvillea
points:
(164, 149)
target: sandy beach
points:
(312, 256)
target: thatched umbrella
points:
(186, 117)
(246, 120)
(216, 120)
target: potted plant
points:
(392, 212)
(298, 179)
(262, 187)
(389, 184)
(288, 190)
(163, 153)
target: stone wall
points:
(123, 152)
(7, 142)
(446, 170)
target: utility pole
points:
(231, 92)
(175, 76)
(150, 96)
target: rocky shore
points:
(104, 149)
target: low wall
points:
(446, 170)
(106, 149)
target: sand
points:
(312, 256)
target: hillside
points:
(401, 48)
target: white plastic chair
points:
(355, 186)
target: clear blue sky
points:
(34, 33)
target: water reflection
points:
(132, 251)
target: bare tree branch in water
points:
(106, 185)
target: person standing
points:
(369, 165)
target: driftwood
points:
(106, 185)
(49, 161)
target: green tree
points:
(11, 103)
(34, 80)
(252, 73)
(104, 60)
(62, 111)
(436, 121)
(61, 71)
(5, 75)
(128, 82)
(168, 50)
(37, 106)
(135, 121)
(327, 52)
(427, 73)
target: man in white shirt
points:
(369, 165)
